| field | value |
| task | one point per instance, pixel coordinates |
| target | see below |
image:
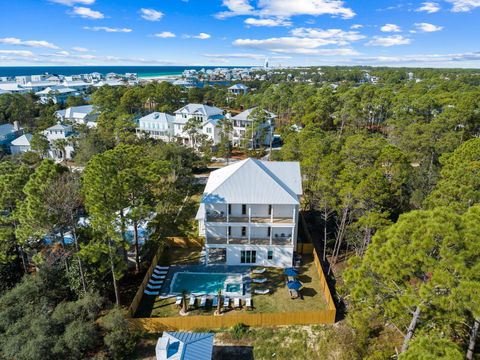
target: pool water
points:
(206, 283)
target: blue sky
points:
(438, 33)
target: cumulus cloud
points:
(356, 26)
(422, 58)
(429, 7)
(29, 43)
(87, 13)
(151, 14)
(388, 41)
(331, 36)
(390, 28)
(73, 2)
(247, 56)
(426, 27)
(80, 49)
(165, 35)
(268, 22)
(108, 29)
(464, 5)
(202, 36)
(20, 53)
(286, 8)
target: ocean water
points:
(142, 71)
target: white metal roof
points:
(253, 181)
(184, 346)
(158, 117)
(6, 129)
(192, 109)
(23, 140)
(245, 115)
(239, 87)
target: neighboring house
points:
(13, 87)
(56, 94)
(184, 346)
(208, 117)
(156, 125)
(261, 136)
(8, 133)
(249, 213)
(57, 135)
(21, 144)
(238, 89)
(84, 114)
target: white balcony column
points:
(294, 214)
(228, 215)
(271, 215)
(271, 235)
(249, 233)
(249, 213)
(228, 237)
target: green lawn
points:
(278, 300)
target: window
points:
(209, 130)
(229, 209)
(244, 231)
(270, 255)
(229, 231)
(269, 209)
(244, 209)
(269, 231)
(248, 256)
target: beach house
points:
(60, 138)
(84, 114)
(249, 213)
(263, 133)
(156, 125)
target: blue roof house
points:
(184, 346)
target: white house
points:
(156, 125)
(56, 94)
(208, 117)
(249, 213)
(261, 136)
(84, 114)
(238, 89)
(184, 346)
(57, 135)
(21, 144)
(8, 133)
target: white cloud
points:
(287, 8)
(429, 7)
(108, 29)
(202, 36)
(268, 22)
(390, 28)
(247, 56)
(29, 43)
(332, 36)
(73, 2)
(151, 14)
(423, 58)
(426, 27)
(356, 26)
(165, 35)
(464, 5)
(87, 13)
(79, 49)
(388, 41)
(20, 53)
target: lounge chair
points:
(259, 281)
(261, 292)
(179, 300)
(226, 303)
(237, 303)
(293, 293)
(248, 303)
(259, 271)
(215, 301)
(203, 301)
(191, 303)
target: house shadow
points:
(305, 279)
(222, 352)
(309, 292)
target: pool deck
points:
(221, 269)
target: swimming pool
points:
(207, 283)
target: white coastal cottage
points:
(84, 114)
(262, 135)
(21, 144)
(156, 125)
(249, 213)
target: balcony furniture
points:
(262, 291)
(237, 303)
(248, 303)
(178, 301)
(226, 303)
(259, 281)
(203, 301)
(191, 303)
(259, 271)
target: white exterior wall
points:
(17, 149)
(282, 255)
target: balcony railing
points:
(219, 217)
(253, 241)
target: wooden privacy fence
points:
(138, 296)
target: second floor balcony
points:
(251, 213)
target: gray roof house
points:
(84, 114)
(238, 89)
(184, 346)
(156, 125)
(262, 136)
(21, 144)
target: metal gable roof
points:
(23, 140)
(245, 115)
(251, 181)
(185, 346)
